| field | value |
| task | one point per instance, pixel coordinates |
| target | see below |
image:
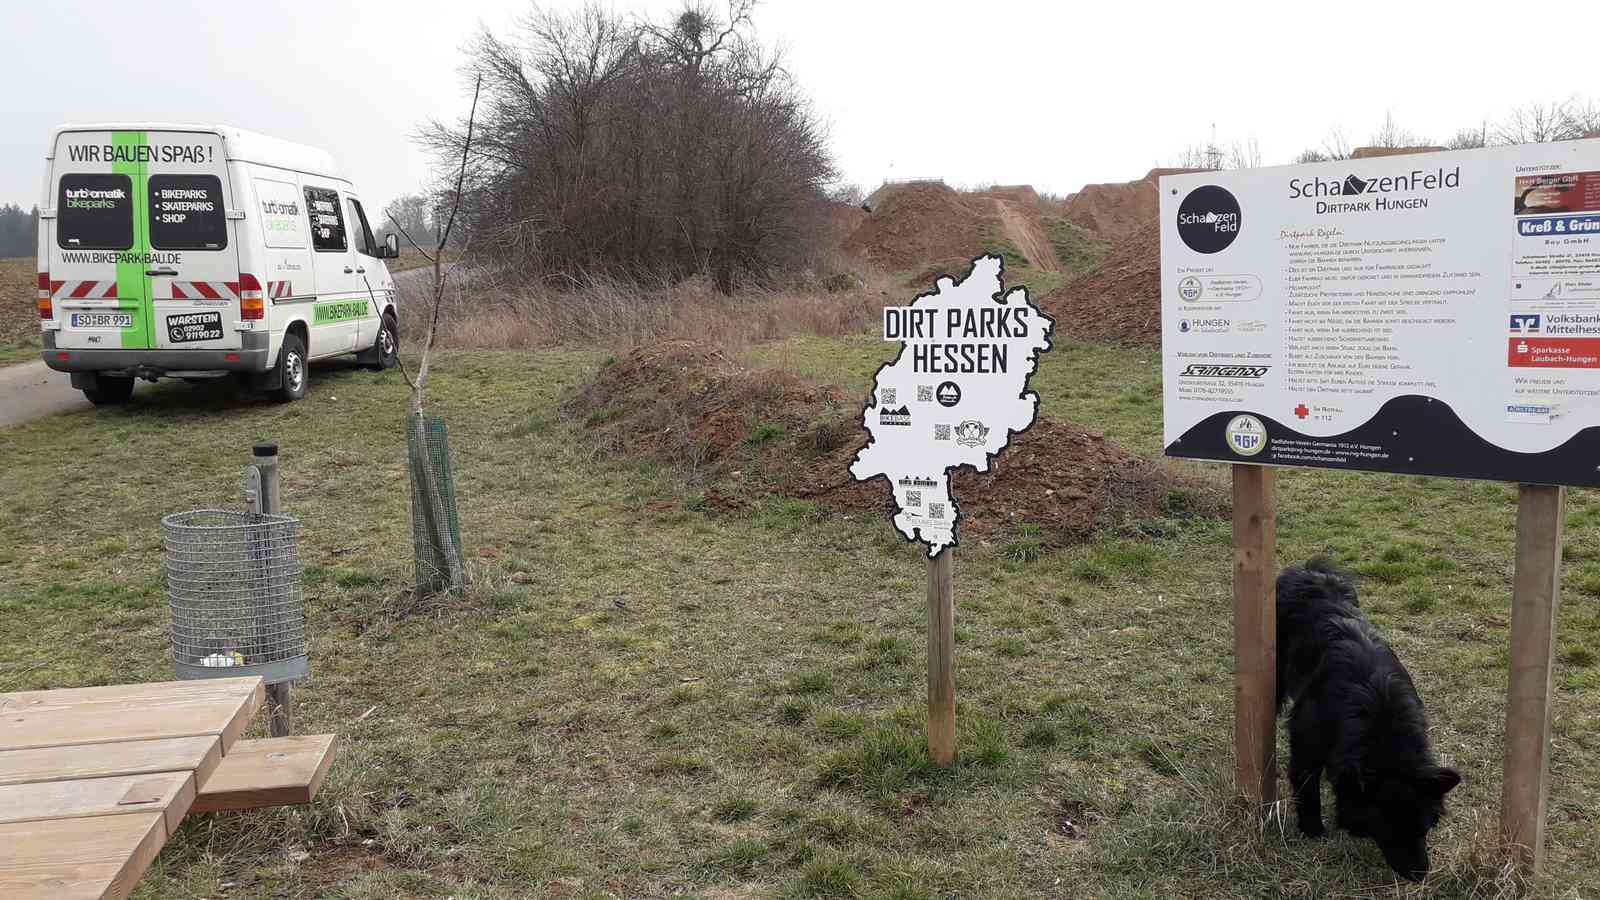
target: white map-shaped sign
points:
(954, 396)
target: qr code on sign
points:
(888, 396)
(941, 432)
(924, 393)
(936, 510)
(913, 498)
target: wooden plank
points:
(38, 719)
(134, 694)
(1536, 595)
(941, 658)
(284, 771)
(1255, 632)
(198, 754)
(169, 793)
(69, 859)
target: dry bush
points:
(620, 314)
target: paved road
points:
(31, 391)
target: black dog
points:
(1356, 717)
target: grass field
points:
(641, 698)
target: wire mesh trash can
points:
(233, 581)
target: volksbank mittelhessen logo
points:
(1208, 219)
(1246, 435)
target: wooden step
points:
(284, 771)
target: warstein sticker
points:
(205, 326)
(976, 344)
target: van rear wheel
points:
(109, 390)
(292, 372)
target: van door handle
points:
(161, 271)
(361, 269)
(349, 271)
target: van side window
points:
(327, 220)
(186, 213)
(361, 234)
(95, 212)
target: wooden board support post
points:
(941, 659)
(1255, 633)
(1536, 590)
(280, 696)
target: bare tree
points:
(1335, 146)
(1391, 135)
(1469, 138)
(1583, 118)
(436, 519)
(612, 144)
(1537, 123)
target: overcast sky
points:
(1054, 95)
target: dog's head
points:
(1319, 578)
(1397, 810)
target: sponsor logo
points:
(1525, 324)
(1205, 326)
(901, 416)
(948, 394)
(1246, 435)
(1190, 289)
(1250, 326)
(1209, 219)
(195, 327)
(1197, 370)
(1531, 413)
(972, 434)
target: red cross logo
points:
(1301, 411)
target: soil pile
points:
(918, 223)
(1117, 209)
(750, 433)
(1119, 301)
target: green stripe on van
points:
(131, 283)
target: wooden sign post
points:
(942, 658)
(1525, 787)
(1255, 632)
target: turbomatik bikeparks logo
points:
(1209, 219)
(1246, 435)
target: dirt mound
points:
(1116, 209)
(919, 222)
(916, 224)
(1376, 152)
(750, 433)
(1119, 301)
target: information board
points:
(1433, 314)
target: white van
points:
(199, 251)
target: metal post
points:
(280, 696)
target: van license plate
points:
(102, 320)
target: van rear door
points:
(194, 277)
(141, 251)
(96, 243)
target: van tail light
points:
(252, 302)
(46, 310)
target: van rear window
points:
(95, 212)
(186, 213)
